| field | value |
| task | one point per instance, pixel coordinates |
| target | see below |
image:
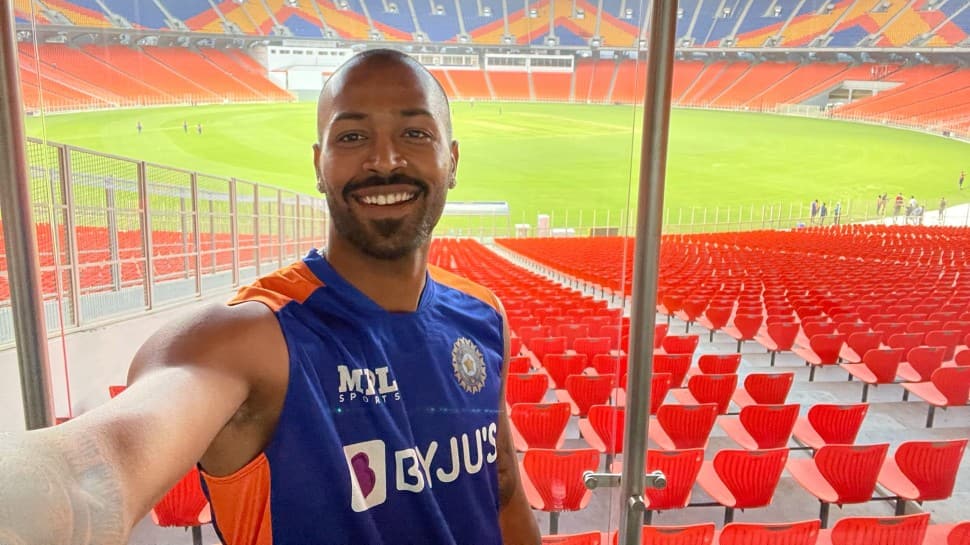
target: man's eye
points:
(350, 137)
(416, 133)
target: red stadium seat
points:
(539, 425)
(681, 468)
(677, 365)
(585, 538)
(695, 534)
(827, 424)
(185, 505)
(778, 337)
(715, 318)
(923, 360)
(553, 480)
(744, 327)
(948, 534)
(610, 364)
(591, 346)
(543, 346)
(683, 426)
(680, 344)
(823, 349)
(716, 389)
(840, 474)
(948, 387)
(560, 366)
(922, 470)
(948, 340)
(764, 388)
(719, 364)
(857, 344)
(520, 364)
(603, 429)
(584, 391)
(878, 367)
(742, 479)
(525, 388)
(901, 530)
(761, 426)
(782, 533)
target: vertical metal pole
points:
(113, 247)
(146, 235)
(30, 334)
(234, 232)
(653, 166)
(184, 235)
(196, 236)
(257, 242)
(70, 230)
(279, 227)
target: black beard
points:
(383, 239)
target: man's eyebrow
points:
(349, 116)
(412, 112)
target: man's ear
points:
(316, 167)
(454, 164)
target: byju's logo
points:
(368, 474)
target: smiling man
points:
(353, 397)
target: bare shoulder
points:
(242, 347)
(234, 339)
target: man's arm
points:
(90, 480)
(517, 522)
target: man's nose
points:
(385, 156)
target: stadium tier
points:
(96, 76)
(612, 23)
(91, 76)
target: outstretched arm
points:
(88, 481)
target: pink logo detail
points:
(366, 477)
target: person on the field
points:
(138, 126)
(814, 212)
(355, 396)
(942, 215)
(960, 181)
(836, 213)
(897, 205)
(822, 212)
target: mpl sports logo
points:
(366, 385)
(416, 468)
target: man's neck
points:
(395, 285)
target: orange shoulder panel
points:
(240, 504)
(293, 283)
(459, 283)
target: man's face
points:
(385, 158)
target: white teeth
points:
(383, 200)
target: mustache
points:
(377, 181)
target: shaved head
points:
(380, 60)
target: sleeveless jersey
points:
(388, 428)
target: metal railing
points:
(117, 235)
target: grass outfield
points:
(557, 158)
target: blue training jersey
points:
(388, 432)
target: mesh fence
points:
(116, 236)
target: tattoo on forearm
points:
(59, 493)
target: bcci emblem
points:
(469, 365)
